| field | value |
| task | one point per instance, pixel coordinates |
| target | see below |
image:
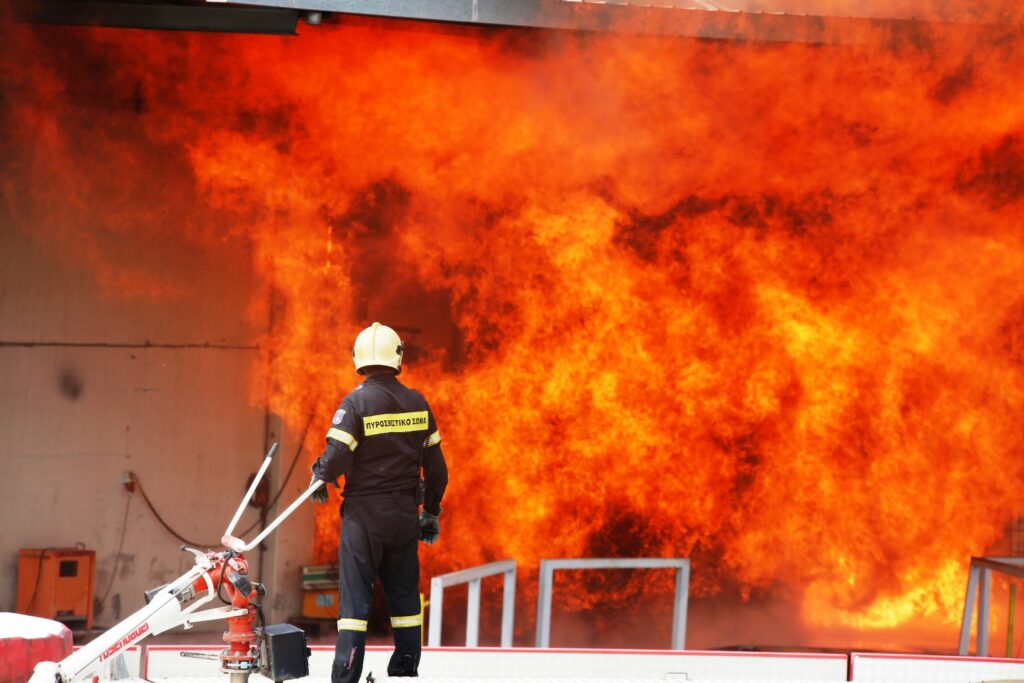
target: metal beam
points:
(1014, 566)
(706, 19)
(271, 19)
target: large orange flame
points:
(760, 306)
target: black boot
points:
(406, 659)
(348, 657)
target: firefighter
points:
(381, 437)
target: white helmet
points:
(378, 345)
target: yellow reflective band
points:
(432, 440)
(407, 622)
(343, 437)
(351, 624)
(395, 422)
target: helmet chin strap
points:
(371, 370)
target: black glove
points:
(430, 527)
(320, 495)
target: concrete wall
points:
(84, 399)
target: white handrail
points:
(547, 572)
(473, 576)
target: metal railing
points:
(547, 571)
(980, 580)
(473, 577)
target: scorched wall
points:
(93, 385)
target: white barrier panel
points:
(631, 664)
(165, 662)
(913, 668)
(133, 659)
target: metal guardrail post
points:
(682, 600)
(547, 571)
(473, 614)
(1009, 620)
(436, 610)
(544, 589)
(965, 623)
(508, 608)
(473, 577)
(984, 597)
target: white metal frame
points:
(547, 572)
(979, 581)
(473, 577)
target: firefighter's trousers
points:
(379, 537)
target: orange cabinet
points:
(320, 603)
(57, 583)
